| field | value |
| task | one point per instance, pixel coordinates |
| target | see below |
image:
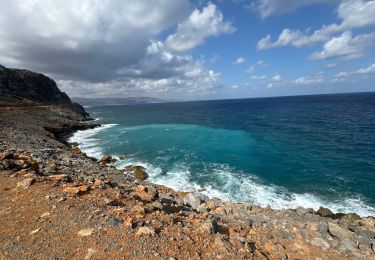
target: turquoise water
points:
(284, 152)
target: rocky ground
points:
(57, 203)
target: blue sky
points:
(190, 50)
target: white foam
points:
(227, 183)
(241, 188)
(86, 141)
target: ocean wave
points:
(223, 182)
(241, 188)
(86, 141)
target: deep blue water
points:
(285, 152)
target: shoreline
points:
(307, 198)
(144, 214)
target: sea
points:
(284, 152)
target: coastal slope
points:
(56, 199)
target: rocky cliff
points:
(24, 87)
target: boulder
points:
(138, 172)
(326, 213)
(106, 159)
(195, 200)
(146, 193)
(338, 232)
(25, 183)
(320, 242)
(210, 226)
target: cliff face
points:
(21, 87)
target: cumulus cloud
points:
(266, 8)
(369, 70)
(252, 67)
(308, 80)
(352, 13)
(197, 27)
(109, 47)
(240, 60)
(345, 46)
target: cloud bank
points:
(112, 45)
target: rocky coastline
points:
(58, 203)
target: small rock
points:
(86, 232)
(210, 226)
(221, 244)
(147, 193)
(114, 222)
(106, 159)
(90, 252)
(320, 242)
(339, 232)
(35, 231)
(325, 212)
(45, 214)
(348, 246)
(76, 190)
(58, 177)
(194, 199)
(139, 173)
(25, 183)
(146, 231)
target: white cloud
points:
(240, 60)
(309, 80)
(369, 70)
(235, 87)
(108, 48)
(252, 67)
(266, 8)
(345, 46)
(84, 40)
(353, 14)
(277, 78)
(197, 27)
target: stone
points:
(35, 231)
(146, 193)
(145, 231)
(25, 183)
(6, 155)
(107, 159)
(128, 222)
(32, 163)
(213, 203)
(114, 222)
(326, 213)
(76, 190)
(210, 226)
(86, 232)
(320, 242)
(350, 217)
(58, 177)
(46, 214)
(221, 244)
(194, 199)
(338, 232)
(122, 157)
(139, 173)
(90, 253)
(348, 246)
(304, 211)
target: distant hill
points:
(117, 101)
(26, 88)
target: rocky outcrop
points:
(24, 87)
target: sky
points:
(193, 49)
